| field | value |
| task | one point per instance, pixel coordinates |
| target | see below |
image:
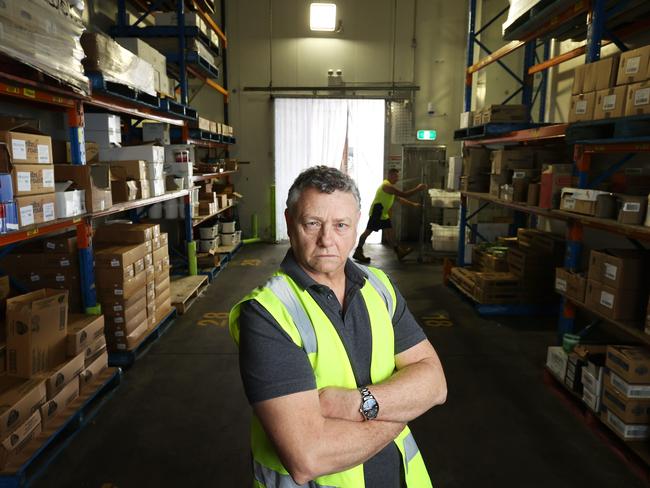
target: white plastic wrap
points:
(516, 10)
(117, 64)
(45, 35)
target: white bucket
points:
(156, 211)
(228, 227)
(208, 232)
(228, 239)
(217, 241)
(206, 245)
(171, 209)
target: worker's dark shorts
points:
(375, 222)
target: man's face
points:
(323, 229)
(393, 177)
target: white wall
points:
(270, 42)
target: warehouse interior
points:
(499, 149)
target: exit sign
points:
(427, 135)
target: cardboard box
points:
(64, 373)
(131, 341)
(573, 285)
(94, 350)
(36, 330)
(83, 330)
(138, 266)
(118, 327)
(631, 209)
(156, 132)
(33, 179)
(633, 66)
(578, 79)
(554, 178)
(119, 256)
(93, 370)
(146, 152)
(612, 303)
(476, 161)
(629, 390)
(477, 119)
(26, 145)
(18, 400)
(610, 103)
(505, 113)
(62, 153)
(617, 268)
(64, 243)
(129, 170)
(592, 380)
(127, 313)
(631, 363)
(589, 202)
(18, 440)
(466, 120)
(144, 190)
(36, 209)
(123, 191)
(102, 128)
(126, 288)
(117, 305)
(592, 400)
(69, 202)
(556, 361)
(638, 99)
(504, 160)
(162, 283)
(627, 432)
(144, 51)
(601, 75)
(629, 410)
(496, 181)
(94, 179)
(60, 261)
(56, 406)
(121, 233)
(114, 275)
(155, 171)
(156, 187)
(582, 107)
(479, 183)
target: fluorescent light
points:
(322, 17)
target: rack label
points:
(118, 320)
(606, 299)
(611, 271)
(118, 291)
(48, 178)
(50, 245)
(632, 207)
(35, 277)
(48, 212)
(609, 103)
(117, 308)
(19, 149)
(60, 278)
(632, 66)
(27, 215)
(642, 97)
(560, 284)
(581, 107)
(43, 154)
(24, 180)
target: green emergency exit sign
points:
(427, 135)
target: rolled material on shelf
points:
(191, 259)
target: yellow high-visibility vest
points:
(308, 326)
(386, 200)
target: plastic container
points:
(444, 237)
(206, 245)
(444, 198)
(171, 209)
(228, 239)
(570, 341)
(156, 211)
(227, 227)
(208, 232)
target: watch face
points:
(370, 408)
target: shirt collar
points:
(291, 267)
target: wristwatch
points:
(369, 406)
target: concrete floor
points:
(180, 417)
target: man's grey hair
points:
(326, 180)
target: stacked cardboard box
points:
(151, 154)
(626, 393)
(616, 286)
(501, 114)
(26, 175)
(476, 170)
(129, 180)
(133, 280)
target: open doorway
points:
(347, 134)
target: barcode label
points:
(27, 215)
(24, 180)
(119, 333)
(117, 308)
(35, 278)
(560, 284)
(118, 320)
(50, 245)
(48, 178)
(43, 154)
(607, 299)
(642, 97)
(631, 207)
(65, 262)
(118, 291)
(632, 66)
(19, 149)
(519, 174)
(609, 103)
(610, 271)
(581, 107)
(48, 212)
(115, 263)
(60, 278)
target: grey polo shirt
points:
(272, 365)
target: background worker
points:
(381, 211)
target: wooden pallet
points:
(486, 287)
(185, 290)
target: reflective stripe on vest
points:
(410, 449)
(379, 286)
(272, 479)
